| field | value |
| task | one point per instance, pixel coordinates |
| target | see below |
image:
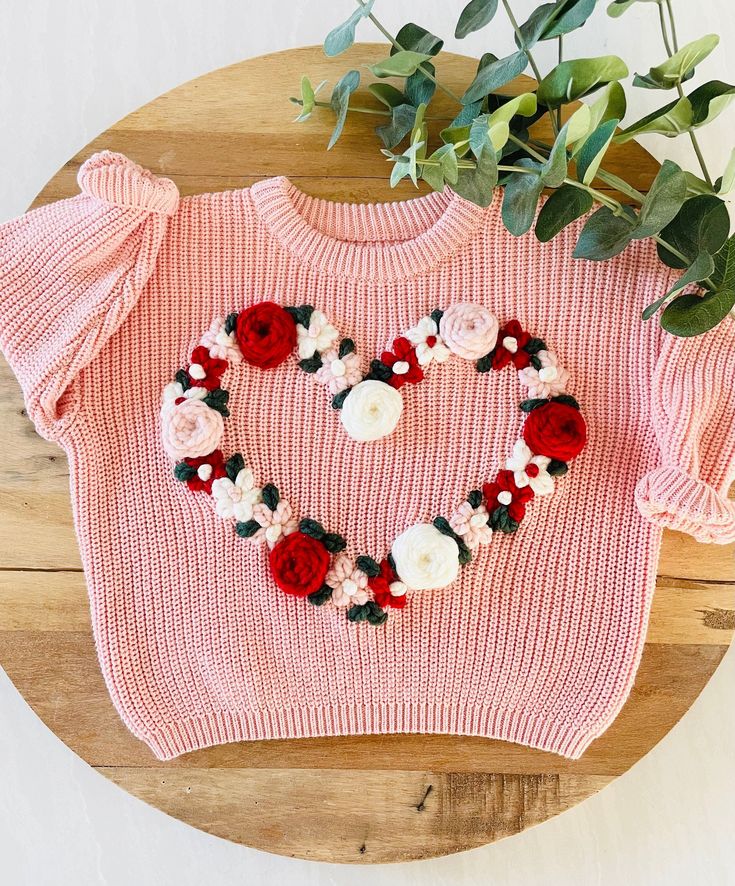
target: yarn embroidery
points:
(305, 559)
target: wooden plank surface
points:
(354, 799)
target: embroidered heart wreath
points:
(305, 559)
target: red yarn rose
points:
(403, 352)
(502, 356)
(299, 564)
(555, 430)
(215, 462)
(380, 586)
(207, 370)
(266, 334)
(505, 485)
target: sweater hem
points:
(223, 727)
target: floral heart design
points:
(305, 559)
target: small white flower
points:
(425, 558)
(429, 346)
(174, 390)
(529, 470)
(236, 499)
(371, 410)
(319, 337)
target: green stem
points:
(529, 56)
(425, 71)
(559, 58)
(671, 46)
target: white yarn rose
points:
(371, 410)
(425, 558)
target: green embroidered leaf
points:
(379, 371)
(536, 363)
(357, 614)
(333, 542)
(485, 364)
(339, 399)
(567, 399)
(534, 345)
(343, 36)
(184, 472)
(235, 463)
(465, 554)
(271, 496)
(248, 529)
(218, 400)
(533, 403)
(311, 364)
(231, 323)
(501, 520)
(346, 346)
(312, 528)
(436, 316)
(182, 377)
(370, 567)
(320, 597)
(475, 498)
(442, 524)
(375, 615)
(391, 562)
(301, 315)
(557, 468)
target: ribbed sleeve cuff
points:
(672, 499)
(115, 179)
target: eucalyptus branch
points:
(425, 71)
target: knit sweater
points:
(268, 399)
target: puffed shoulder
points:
(117, 180)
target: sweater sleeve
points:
(70, 272)
(693, 412)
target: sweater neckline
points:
(368, 241)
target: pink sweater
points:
(218, 615)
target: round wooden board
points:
(357, 799)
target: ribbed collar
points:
(370, 241)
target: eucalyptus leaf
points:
(402, 121)
(481, 129)
(343, 36)
(603, 236)
(446, 171)
(308, 98)
(552, 20)
(663, 201)
(727, 180)
(477, 184)
(401, 169)
(467, 114)
(593, 151)
(564, 206)
(418, 39)
(420, 88)
(387, 94)
(340, 102)
(521, 196)
(618, 7)
(495, 75)
(578, 125)
(723, 275)
(697, 185)
(709, 100)
(573, 79)
(554, 171)
(524, 105)
(690, 315)
(402, 64)
(701, 225)
(702, 266)
(609, 105)
(474, 16)
(670, 120)
(680, 66)
(532, 29)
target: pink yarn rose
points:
(469, 331)
(190, 428)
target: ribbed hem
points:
(370, 241)
(672, 499)
(175, 739)
(117, 180)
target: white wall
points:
(69, 70)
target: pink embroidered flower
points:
(349, 584)
(339, 373)
(471, 525)
(221, 344)
(469, 331)
(274, 525)
(549, 381)
(190, 428)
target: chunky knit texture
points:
(103, 295)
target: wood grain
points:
(353, 799)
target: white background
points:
(68, 71)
